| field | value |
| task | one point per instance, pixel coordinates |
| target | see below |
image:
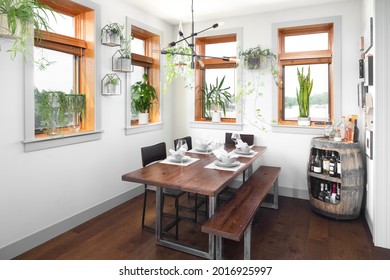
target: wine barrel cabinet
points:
(350, 182)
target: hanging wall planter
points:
(121, 62)
(111, 35)
(111, 84)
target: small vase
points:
(216, 117)
(304, 121)
(143, 118)
(74, 121)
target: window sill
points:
(62, 140)
(143, 128)
(295, 129)
(220, 126)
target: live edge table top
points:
(194, 178)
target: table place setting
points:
(179, 158)
(243, 149)
(203, 146)
(225, 161)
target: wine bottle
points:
(355, 132)
(333, 194)
(325, 162)
(349, 131)
(312, 159)
(338, 166)
(321, 195)
(327, 193)
(338, 193)
(333, 165)
(317, 163)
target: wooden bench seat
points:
(234, 218)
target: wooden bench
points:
(234, 218)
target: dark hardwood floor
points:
(292, 232)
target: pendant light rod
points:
(192, 44)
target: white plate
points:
(199, 149)
(221, 164)
(238, 151)
(185, 159)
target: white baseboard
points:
(25, 244)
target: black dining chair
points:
(188, 140)
(198, 201)
(151, 154)
(247, 138)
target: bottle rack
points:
(350, 182)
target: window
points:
(300, 48)
(64, 62)
(146, 61)
(215, 46)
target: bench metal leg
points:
(218, 248)
(275, 204)
(247, 242)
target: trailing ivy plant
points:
(47, 101)
(177, 65)
(256, 64)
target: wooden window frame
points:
(151, 62)
(302, 58)
(81, 46)
(210, 63)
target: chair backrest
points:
(153, 153)
(247, 138)
(188, 140)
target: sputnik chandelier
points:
(191, 45)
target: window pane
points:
(60, 23)
(136, 76)
(138, 46)
(319, 98)
(230, 78)
(221, 49)
(310, 42)
(53, 70)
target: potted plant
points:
(215, 97)
(19, 18)
(76, 108)
(254, 58)
(177, 65)
(303, 96)
(112, 34)
(51, 107)
(123, 62)
(143, 96)
(112, 83)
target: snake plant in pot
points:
(303, 96)
(143, 96)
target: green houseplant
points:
(76, 109)
(50, 111)
(253, 58)
(215, 98)
(177, 65)
(143, 96)
(303, 96)
(111, 82)
(123, 61)
(111, 34)
(21, 18)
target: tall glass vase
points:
(74, 121)
(55, 110)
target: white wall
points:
(40, 191)
(290, 151)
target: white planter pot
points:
(4, 32)
(302, 121)
(143, 118)
(112, 89)
(216, 117)
(123, 64)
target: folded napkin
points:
(242, 145)
(181, 151)
(221, 154)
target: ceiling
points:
(174, 11)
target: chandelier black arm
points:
(224, 58)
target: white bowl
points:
(203, 147)
(227, 160)
(245, 149)
(177, 157)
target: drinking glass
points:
(182, 147)
(235, 137)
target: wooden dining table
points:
(197, 177)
